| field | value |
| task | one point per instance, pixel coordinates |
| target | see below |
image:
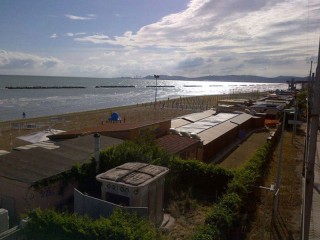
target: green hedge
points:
(51, 225)
(203, 181)
(229, 213)
(211, 179)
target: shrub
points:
(227, 214)
(120, 225)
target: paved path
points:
(314, 232)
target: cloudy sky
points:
(114, 38)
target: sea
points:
(38, 96)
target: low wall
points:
(94, 207)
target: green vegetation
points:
(302, 100)
(231, 213)
(228, 194)
(121, 225)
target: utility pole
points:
(155, 95)
(309, 173)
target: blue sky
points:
(114, 38)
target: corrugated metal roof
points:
(216, 131)
(133, 173)
(38, 163)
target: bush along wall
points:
(200, 179)
(121, 225)
(231, 212)
(204, 181)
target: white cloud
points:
(209, 37)
(69, 34)
(74, 17)
(97, 39)
(54, 35)
(28, 63)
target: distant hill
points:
(225, 78)
(232, 78)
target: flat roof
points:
(178, 122)
(240, 119)
(103, 128)
(32, 164)
(217, 131)
(268, 106)
(133, 174)
(206, 123)
(212, 127)
(193, 117)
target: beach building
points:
(198, 135)
(28, 175)
(232, 105)
(216, 132)
(184, 147)
(271, 110)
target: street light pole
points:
(155, 95)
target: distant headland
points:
(223, 78)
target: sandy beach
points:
(142, 113)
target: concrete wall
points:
(18, 197)
(94, 207)
(12, 234)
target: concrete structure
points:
(22, 170)
(135, 184)
(4, 220)
(95, 207)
